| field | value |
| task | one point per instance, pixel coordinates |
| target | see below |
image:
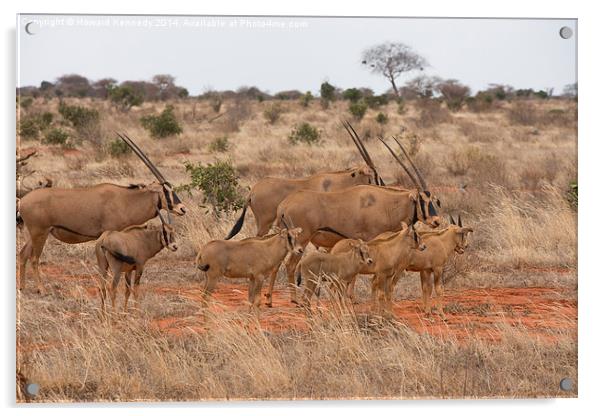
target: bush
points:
(219, 145)
(352, 94)
(306, 99)
(382, 118)
(219, 184)
(327, 91)
(118, 148)
(432, 113)
(376, 101)
(57, 136)
(572, 195)
(86, 121)
(304, 133)
(80, 117)
(272, 113)
(358, 109)
(125, 97)
(29, 128)
(45, 120)
(25, 102)
(163, 125)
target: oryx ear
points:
(297, 230)
(451, 220)
(404, 226)
(413, 195)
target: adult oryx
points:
(361, 212)
(266, 194)
(82, 214)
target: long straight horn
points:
(422, 182)
(459, 220)
(142, 157)
(363, 151)
(451, 220)
(161, 216)
(400, 162)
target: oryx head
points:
(461, 234)
(168, 199)
(290, 235)
(363, 250)
(167, 234)
(426, 203)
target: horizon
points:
(292, 53)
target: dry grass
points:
(506, 171)
(81, 358)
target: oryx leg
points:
(351, 288)
(427, 289)
(438, 272)
(268, 295)
(38, 239)
(116, 267)
(255, 285)
(209, 286)
(24, 256)
(128, 288)
(311, 285)
(103, 266)
(136, 287)
(389, 288)
(291, 264)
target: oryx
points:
(78, 215)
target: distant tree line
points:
(163, 87)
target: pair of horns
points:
(288, 225)
(143, 157)
(362, 149)
(451, 220)
(420, 183)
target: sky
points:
(284, 53)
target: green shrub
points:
(219, 145)
(219, 184)
(306, 99)
(304, 133)
(327, 91)
(352, 94)
(125, 97)
(25, 102)
(382, 118)
(118, 148)
(80, 117)
(272, 113)
(45, 120)
(358, 109)
(57, 136)
(377, 101)
(163, 125)
(29, 128)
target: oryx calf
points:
(440, 245)
(390, 252)
(337, 268)
(254, 258)
(127, 252)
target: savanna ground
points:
(510, 302)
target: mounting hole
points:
(566, 384)
(32, 389)
(566, 32)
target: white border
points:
(590, 109)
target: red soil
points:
(481, 312)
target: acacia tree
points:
(392, 60)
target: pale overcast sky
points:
(285, 53)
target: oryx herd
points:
(359, 225)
